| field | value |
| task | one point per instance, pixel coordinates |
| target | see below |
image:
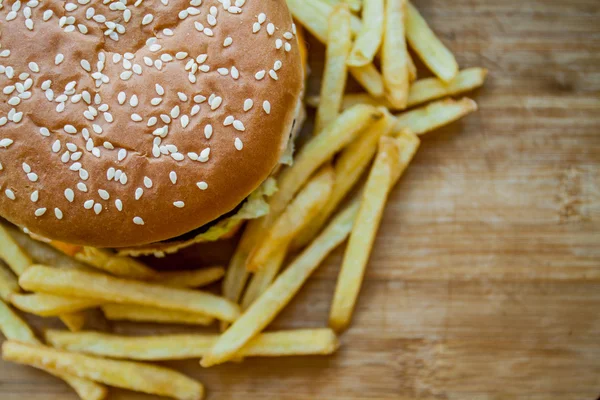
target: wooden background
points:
(485, 280)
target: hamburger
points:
(144, 127)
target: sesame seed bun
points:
(123, 125)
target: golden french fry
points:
(434, 115)
(393, 157)
(279, 294)
(8, 283)
(190, 279)
(428, 89)
(125, 267)
(12, 254)
(133, 312)
(412, 68)
(349, 167)
(421, 91)
(73, 321)
(262, 278)
(339, 43)
(130, 375)
(370, 36)
(394, 55)
(97, 286)
(303, 208)
(428, 46)
(14, 328)
(369, 78)
(47, 305)
(182, 346)
(19, 260)
(317, 151)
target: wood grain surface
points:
(485, 280)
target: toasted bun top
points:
(126, 123)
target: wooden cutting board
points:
(485, 279)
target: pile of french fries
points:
(322, 201)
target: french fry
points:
(279, 294)
(190, 279)
(125, 267)
(349, 167)
(12, 254)
(369, 39)
(433, 116)
(47, 305)
(14, 328)
(8, 283)
(428, 46)
(318, 150)
(262, 278)
(18, 260)
(304, 207)
(130, 375)
(355, 5)
(428, 89)
(394, 55)
(421, 91)
(392, 159)
(132, 312)
(182, 346)
(97, 286)
(339, 43)
(312, 14)
(73, 321)
(369, 78)
(412, 68)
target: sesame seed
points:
(10, 194)
(228, 120)
(35, 196)
(82, 187)
(208, 131)
(165, 118)
(260, 75)
(223, 71)
(216, 103)
(156, 101)
(204, 155)
(173, 177)
(270, 29)
(103, 194)
(255, 27)
(97, 208)
(238, 125)
(136, 117)
(125, 75)
(248, 103)
(202, 185)
(278, 44)
(181, 55)
(182, 96)
(262, 17)
(179, 204)
(138, 193)
(6, 143)
(85, 64)
(34, 67)
(152, 121)
(69, 195)
(147, 182)
(238, 144)
(277, 65)
(119, 204)
(148, 18)
(287, 47)
(70, 129)
(138, 221)
(159, 90)
(227, 42)
(83, 174)
(133, 101)
(39, 212)
(32, 176)
(288, 35)
(175, 112)
(235, 74)
(195, 110)
(185, 120)
(273, 75)
(201, 58)
(58, 213)
(59, 58)
(199, 98)
(267, 107)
